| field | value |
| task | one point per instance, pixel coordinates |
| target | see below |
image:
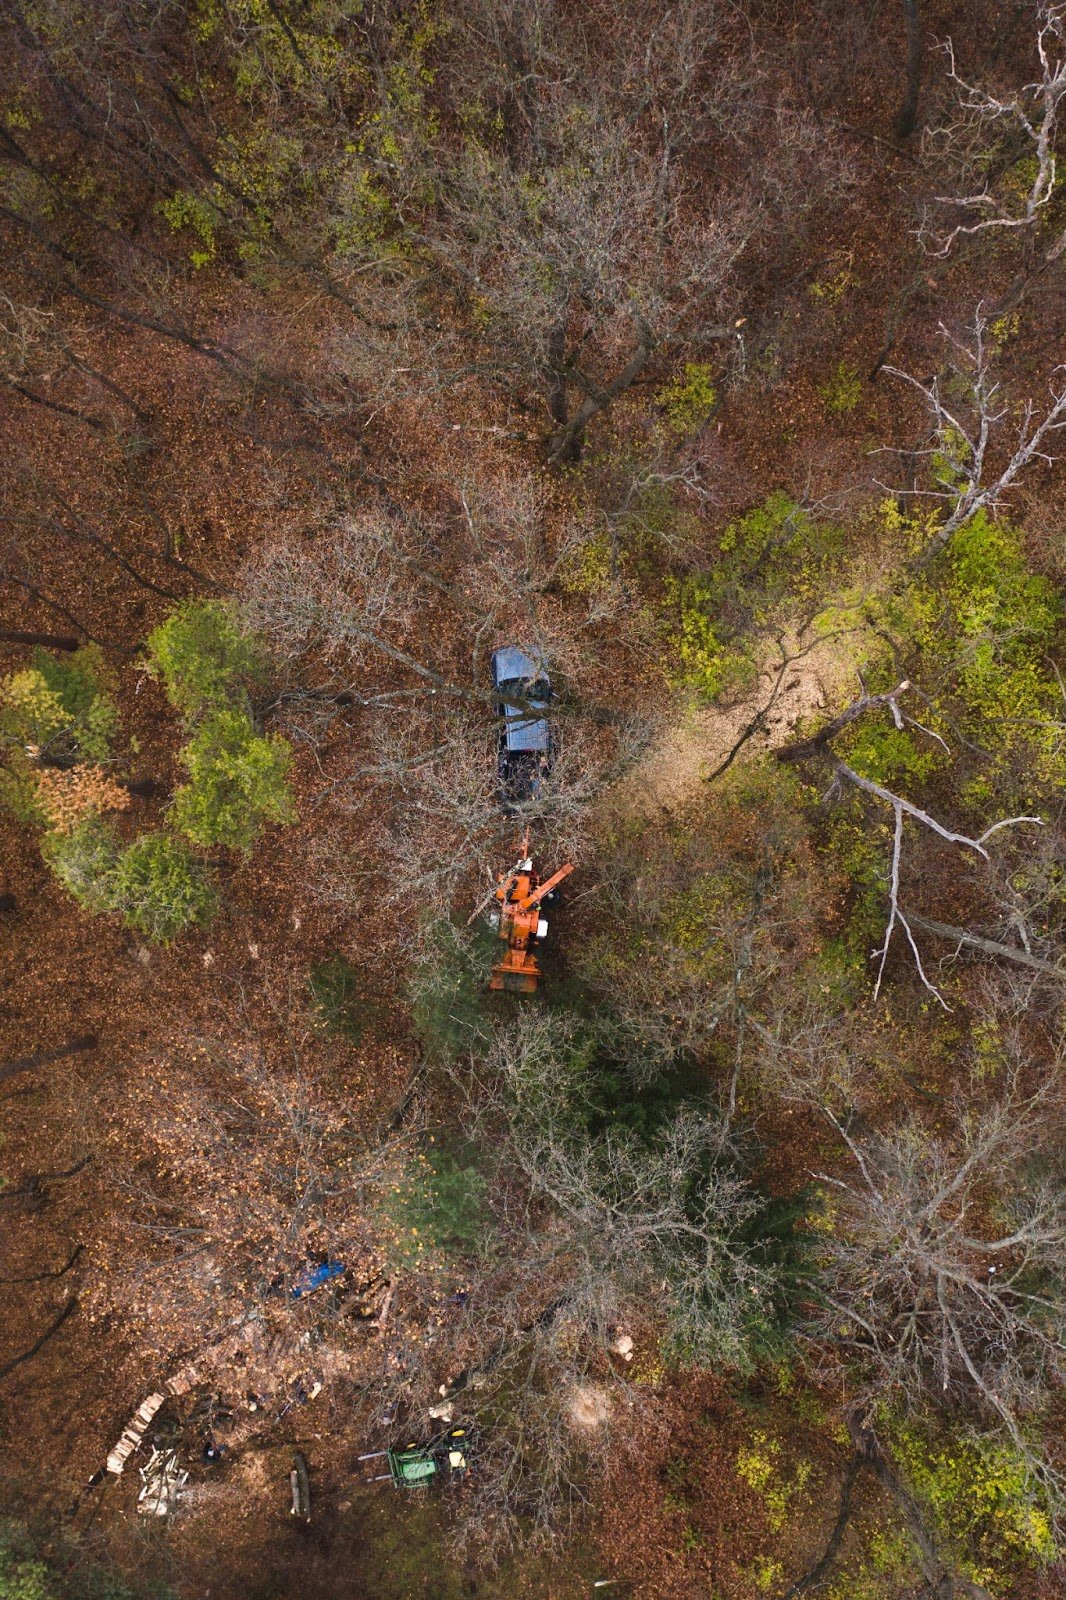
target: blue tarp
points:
(315, 1277)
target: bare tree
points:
(430, 797)
(968, 434)
(596, 1233)
(593, 266)
(597, 232)
(346, 602)
(942, 1275)
(1028, 118)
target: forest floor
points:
(673, 1521)
(792, 682)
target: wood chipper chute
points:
(517, 918)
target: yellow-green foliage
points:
(204, 657)
(983, 625)
(1002, 329)
(594, 565)
(267, 54)
(689, 398)
(777, 552)
(767, 1574)
(771, 558)
(265, 167)
(159, 887)
(184, 209)
(841, 393)
(888, 1568)
(694, 887)
(1017, 183)
(759, 1466)
(31, 710)
(634, 547)
(692, 922)
(237, 783)
(61, 706)
(59, 709)
(832, 290)
(382, 168)
(982, 1498)
(888, 755)
(289, 167)
(22, 1577)
(700, 660)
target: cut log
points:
(134, 1432)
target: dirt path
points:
(821, 673)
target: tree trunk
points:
(557, 408)
(51, 641)
(907, 116)
(11, 1069)
(54, 605)
(567, 444)
(821, 1567)
(55, 405)
(53, 1327)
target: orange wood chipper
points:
(519, 923)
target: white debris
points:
(163, 1481)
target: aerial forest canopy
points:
(532, 773)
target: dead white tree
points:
(900, 809)
(1030, 116)
(966, 434)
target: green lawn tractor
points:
(444, 1460)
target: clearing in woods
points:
(796, 679)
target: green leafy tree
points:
(66, 1573)
(157, 884)
(204, 657)
(160, 888)
(449, 999)
(58, 711)
(438, 1207)
(84, 861)
(237, 783)
(21, 1576)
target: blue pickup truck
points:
(523, 691)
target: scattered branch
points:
(964, 441)
(901, 807)
(1031, 116)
